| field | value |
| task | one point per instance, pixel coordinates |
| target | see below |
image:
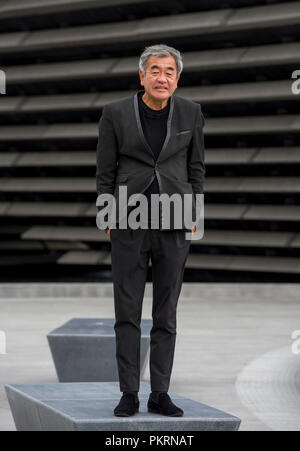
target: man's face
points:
(160, 79)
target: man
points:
(151, 143)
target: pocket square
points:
(183, 131)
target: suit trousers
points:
(130, 253)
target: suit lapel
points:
(140, 128)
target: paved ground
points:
(234, 344)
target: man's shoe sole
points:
(178, 414)
(125, 414)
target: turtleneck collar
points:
(149, 110)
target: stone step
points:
(89, 407)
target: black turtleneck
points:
(154, 124)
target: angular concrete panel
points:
(187, 24)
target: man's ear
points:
(141, 77)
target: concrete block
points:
(84, 349)
(89, 407)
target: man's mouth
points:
(161, 89)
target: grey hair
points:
(161, 50)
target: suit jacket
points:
(125, 158)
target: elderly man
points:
(151, 143)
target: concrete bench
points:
(84, 349)
(89, 407)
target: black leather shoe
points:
(164, 406)
(127, 406)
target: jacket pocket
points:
(183, 139)
(182, 132)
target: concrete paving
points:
(234, 347)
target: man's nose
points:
(162, 77)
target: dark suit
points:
(125, 157)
